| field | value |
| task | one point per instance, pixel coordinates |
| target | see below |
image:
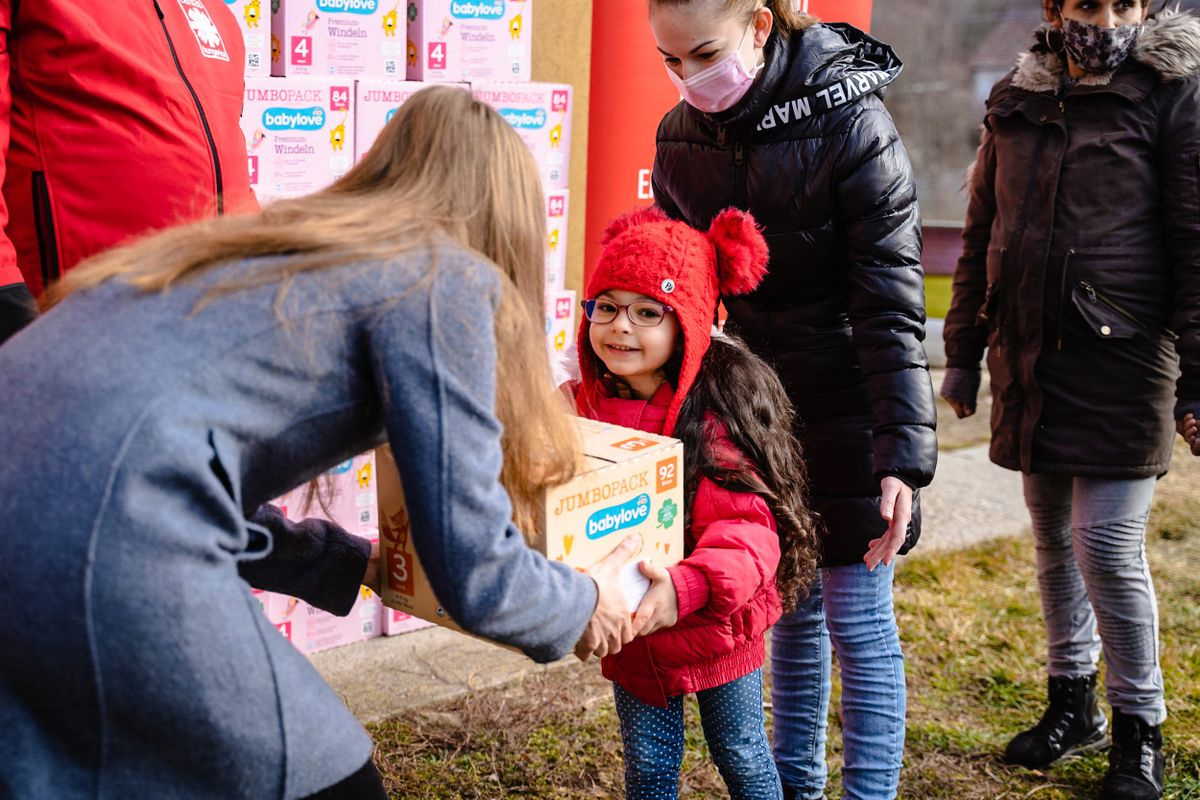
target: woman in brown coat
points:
(1080, 275)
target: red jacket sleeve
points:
(9, 273)
(736, 552)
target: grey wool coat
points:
(138, 432)
(1080, 270)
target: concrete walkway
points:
(970, 501)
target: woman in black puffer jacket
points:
(782, 118)
(1080, 274)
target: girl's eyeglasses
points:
(643, 313)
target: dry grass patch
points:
(973, 636)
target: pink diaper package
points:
(376, 103)
(471, 40)
(557, 203)
(560, 329)
(348, 498)
(337, 38)
(541, 114)
(397, 622)
(255, 24)
(299, 134)
(324, 631)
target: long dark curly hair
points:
(745, 394)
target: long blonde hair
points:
(446, 167)
(788, 19)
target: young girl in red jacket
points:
(649, 360)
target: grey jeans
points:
(1095, 583)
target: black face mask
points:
(1098, 50)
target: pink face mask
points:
(719, 87)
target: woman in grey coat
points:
(216, 366)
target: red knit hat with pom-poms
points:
(673, 263)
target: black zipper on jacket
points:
(212, 144)
(1062, 297)
(739, 177)
(1097, 296)
(43, 221)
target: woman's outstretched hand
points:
(1189, 429)
(611, 625)
(895, 506)
(660, 605)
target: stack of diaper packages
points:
(347, 496)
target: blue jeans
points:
(1096, 587)
(734, 727)
(852, 608)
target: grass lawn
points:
(937, 295)
(974, 641)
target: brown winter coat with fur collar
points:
(1080, 270)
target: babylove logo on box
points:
(294, 119)
(475, 9)
(616, 518)
(366, 7)
(524, 118)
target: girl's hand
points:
(660, 607)
(1189, 429)
(896, 507)
(372, 578)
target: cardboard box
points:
(339, 38)
(299, 134)
(557, 204)
(254, 20)
(629, 482)
(541, 113)
(376, 102)
(474, 40)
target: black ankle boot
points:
(1135, 764)
(1071, 725)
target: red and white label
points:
(558, 100)
(437, 55)
(562, 308)
(208, 37)
(301, 51)
(557, 205)
(339, 98)
(253, 165)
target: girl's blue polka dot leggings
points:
(734, 727)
